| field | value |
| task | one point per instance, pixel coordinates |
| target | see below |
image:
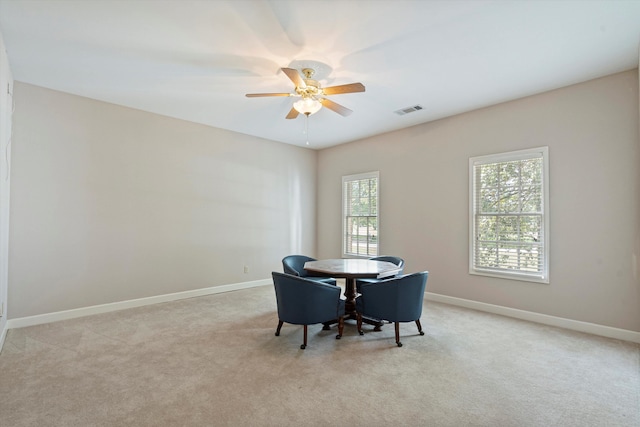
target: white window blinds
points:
(360, 215)
(509, 215)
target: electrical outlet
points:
(246, 269)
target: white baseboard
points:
(575, 325)
(22, 322)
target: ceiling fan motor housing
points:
(312, 88)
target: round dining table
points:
(352, 269)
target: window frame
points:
(538, 152)
(351, 178)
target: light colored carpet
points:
(214, 361)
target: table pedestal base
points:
(350, 308)
(377, 324)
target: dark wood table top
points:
(352, 268)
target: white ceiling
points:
(196, 59)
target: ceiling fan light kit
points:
(307, 106)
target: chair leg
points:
(304, 345)
(419, 327)
(397, 325)
(279, 327)
(359, 323)
(340, 327)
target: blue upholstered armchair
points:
(294, 264)
(307, 302)
(398, 299)
(392, 259)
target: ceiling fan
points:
(312, 94)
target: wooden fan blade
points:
(295, 77)
(256, 95)
(292, 114)
(350, 88)
(343, 111)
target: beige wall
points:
(592, 133)
(110, 204)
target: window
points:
(509, 215)
(360, 215)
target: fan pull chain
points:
(306, 127)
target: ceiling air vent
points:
(408, 110)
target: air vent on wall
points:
(408, 110)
